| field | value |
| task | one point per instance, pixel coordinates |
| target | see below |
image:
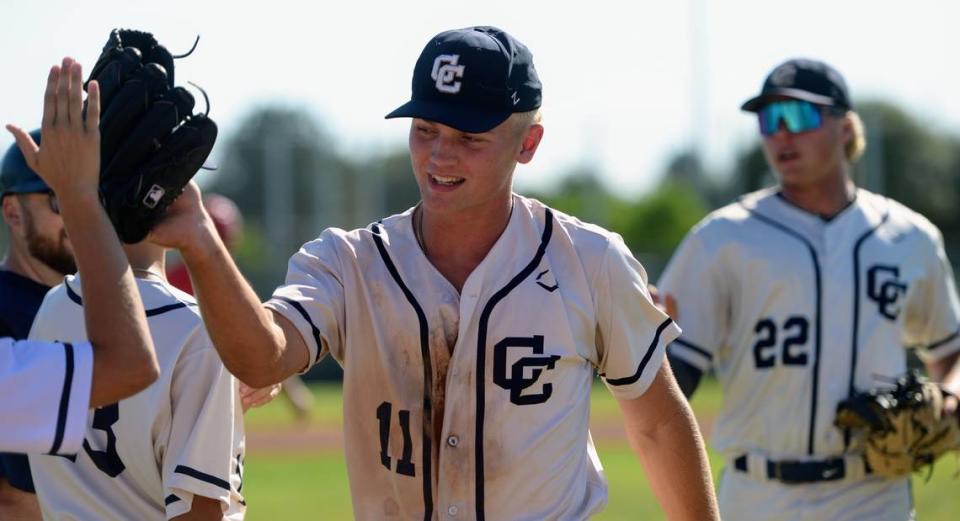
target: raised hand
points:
(69, 160)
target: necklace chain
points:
(418, 230)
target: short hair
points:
(521, 121)
(858, 142)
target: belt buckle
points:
(777, 470)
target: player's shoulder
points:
(900, 217)
(571, 242)
(585, 237)
(725, 224)
(339, 242)
(170, 311)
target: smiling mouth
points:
(446, 181)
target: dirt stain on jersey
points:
(391, 508)
(440, 355)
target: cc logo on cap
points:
(446, 71)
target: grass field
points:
(290, 482)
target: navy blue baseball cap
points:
(472, 79)
(802, 79)
(15, 176)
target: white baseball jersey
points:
(45, 390)
(147, 456)
(794, 313)
(475, 405)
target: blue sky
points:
(626, 84)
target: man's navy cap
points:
(472, 79)
(15, 176)
(803, 79)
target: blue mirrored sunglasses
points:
(797, 116)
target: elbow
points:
(254, 378)
(143, 371)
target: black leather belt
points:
(799, 471)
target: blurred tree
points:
(581, 193)
(914, 163)
(281, 169)
(654, 226)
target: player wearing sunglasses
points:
(800, 295)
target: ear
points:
(531, 141)
(846, 131)
(13, 213)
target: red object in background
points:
(229, 223)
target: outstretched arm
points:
(124, 361)
(257, 345)
(663, 433)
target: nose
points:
(442, 151)
(782, 133)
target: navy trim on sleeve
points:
(695, 348)
(646, 358)
(64, 399)
(170, 499)
(313, 329)
(945, 341)
(427, 429)
(202, 476)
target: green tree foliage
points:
(286, 174)
(913, 162)
(652, 225)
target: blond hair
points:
(521, 121)
(858, 142)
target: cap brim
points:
(27, 187)
(466, 119)
(754, 104)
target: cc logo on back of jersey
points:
(885, 288)
(524, 372)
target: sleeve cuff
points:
(78, 408)
(298, 316)
(941, 348)
(634, 385)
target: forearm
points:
(124, 361)
(663, 433)
(251, 345)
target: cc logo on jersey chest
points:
(515, 379)
(885, 288)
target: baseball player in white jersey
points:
(800, 295)
(470, 326)
(153, 455)
(48, 387)
(174, 450)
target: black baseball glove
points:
(152, 143)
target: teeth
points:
(446, 180)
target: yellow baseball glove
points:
(906, 425)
